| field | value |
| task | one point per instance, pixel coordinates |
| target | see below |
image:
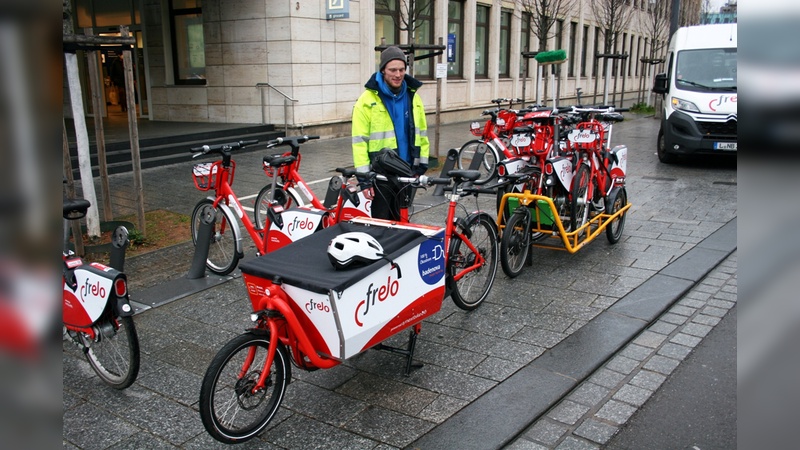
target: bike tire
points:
(488, 166)
(229, 411)
(114, 357)
(223, 254)
(515, 243)
(580, 197)
(286, 198)
(615, 202)
(472, 289)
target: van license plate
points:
(725, 146)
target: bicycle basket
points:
(476, 129)
(206, 175)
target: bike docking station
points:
(196, 280)
(334, 314)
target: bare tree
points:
(705, 11)
(689, 13)
(612, 16)
(543, 16)
(655, 25)
(407, 18)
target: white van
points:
(699, 91)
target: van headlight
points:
(684, 105)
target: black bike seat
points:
(278, 160)
(75, 208)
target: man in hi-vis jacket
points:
(390, 115)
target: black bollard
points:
(448, 165)
(119, 244)
(198, 269)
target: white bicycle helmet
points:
(354, 247)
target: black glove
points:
(420, 169)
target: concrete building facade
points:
(268, 61)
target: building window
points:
(584, 49)
(482, 41)
(505, 43)
(596, 51)
(455, 27)
(630, 60)
(188, 45)
(638, 55)
(573, 37)
(525, 42)
(387, 16)
(559, 35)
(423, 34)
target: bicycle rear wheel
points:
(222, 252)
(472, 288)
(487, 166)
(229, 409)
(114, 353)
(516, 243)
(284, 197)
(616, 201)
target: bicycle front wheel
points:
(231, 409)
(580, 197)
(284, 197)
(222, 253)
(487, 166)
(470, 287)
(114, 353)
(516, 243)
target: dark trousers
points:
(389, 198)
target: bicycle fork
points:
(272, 308)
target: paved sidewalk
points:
(590, 415)
(543, 347)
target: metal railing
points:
(286, 100)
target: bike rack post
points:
(198, 269)
(448, 165)
(119, 243)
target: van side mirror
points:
(661, 84)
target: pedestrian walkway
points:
(590, 415)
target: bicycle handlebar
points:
(205, 149)
(291, 141)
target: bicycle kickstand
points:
(408, 352)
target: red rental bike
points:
(314, 314)
(275, 225)
(599, 179)
(345, 198)
(497, 141)
(96, 310)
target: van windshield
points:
(706, 70)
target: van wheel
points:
(661, 147)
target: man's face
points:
(393, 73)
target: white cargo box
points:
(345, 312)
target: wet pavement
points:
(560, 356)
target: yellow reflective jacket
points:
(373, 129)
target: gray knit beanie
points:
(390, 54)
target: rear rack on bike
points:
(545, 219)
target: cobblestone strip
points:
(591, 414)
